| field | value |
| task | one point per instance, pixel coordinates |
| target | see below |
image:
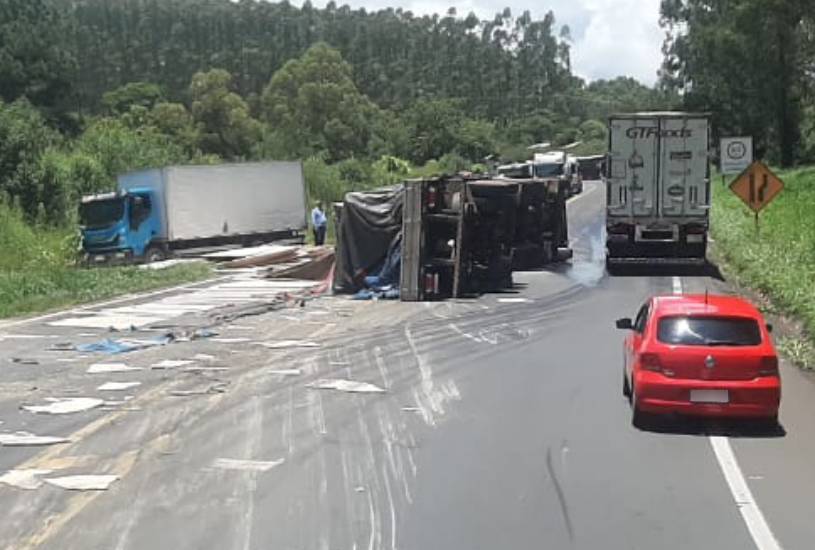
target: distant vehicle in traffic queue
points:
(699, 355)
(657, 188)
(557, 164)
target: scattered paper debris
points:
(411, 409)
(339, 363)
(214, 388)
(204, 357)
(229, 340)
(247, 465)
(24, 479)
(340, 384)
(281, 344)
(513, 300)
(199, 368)
(99, 368)
(170, 363)
(83, 482)
(359, 489)
(286, 372)
(118, 386)
(65, 405)
(22, 439)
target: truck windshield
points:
(101, 213)
(548, 170)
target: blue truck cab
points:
(121, 226)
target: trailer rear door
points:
(634, 167)
(685, 181)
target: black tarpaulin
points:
(369, 224)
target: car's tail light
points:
(650, 361)
(769, 366)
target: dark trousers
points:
(319, 235)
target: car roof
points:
(701, 304)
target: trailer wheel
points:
(153, 254)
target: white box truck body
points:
(657, 188)
(158, 211)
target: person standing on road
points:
(319, 223)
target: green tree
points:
(142, 94)
(225, 125)
(314, 102)
(35, 61)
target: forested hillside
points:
(92, 88)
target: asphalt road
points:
(501, 425)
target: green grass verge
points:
(38, 272)
(23, 292)
(778, 259)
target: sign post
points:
(757, 186)
(736, 155)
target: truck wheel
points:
(153, 254)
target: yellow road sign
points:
(757, 186)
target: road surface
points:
(500, 424)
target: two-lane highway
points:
(489, 423)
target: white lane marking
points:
(759, 529)
(756, 524)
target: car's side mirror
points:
(624, 323)
(769, 327)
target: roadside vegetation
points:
(38, 272)
(778, 259)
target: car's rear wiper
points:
(723, 343)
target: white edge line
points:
(120, 299)
(750, 512)
(748, 507)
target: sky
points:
(610, 38)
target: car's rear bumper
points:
(757, 398)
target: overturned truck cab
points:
(657, 188)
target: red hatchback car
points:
(700, 355)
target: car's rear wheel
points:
(639, 419)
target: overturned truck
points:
(447, 237)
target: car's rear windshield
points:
(709, 331)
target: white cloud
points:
(610, 37)
(623, 37)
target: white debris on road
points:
(118, 386)
(339, 384)
(282, 344)
(24, 479)
(229, 340)
(247, 465)
(65, 405)
(513, 300)
(99, 368)
(83, 482)
(285, 372)
(203, 357)
(21, 439)
(171, 363)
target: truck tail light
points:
(769, 366)
(431, 197)
(650, 361)
(695, 230)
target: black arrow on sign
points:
(764, 186)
